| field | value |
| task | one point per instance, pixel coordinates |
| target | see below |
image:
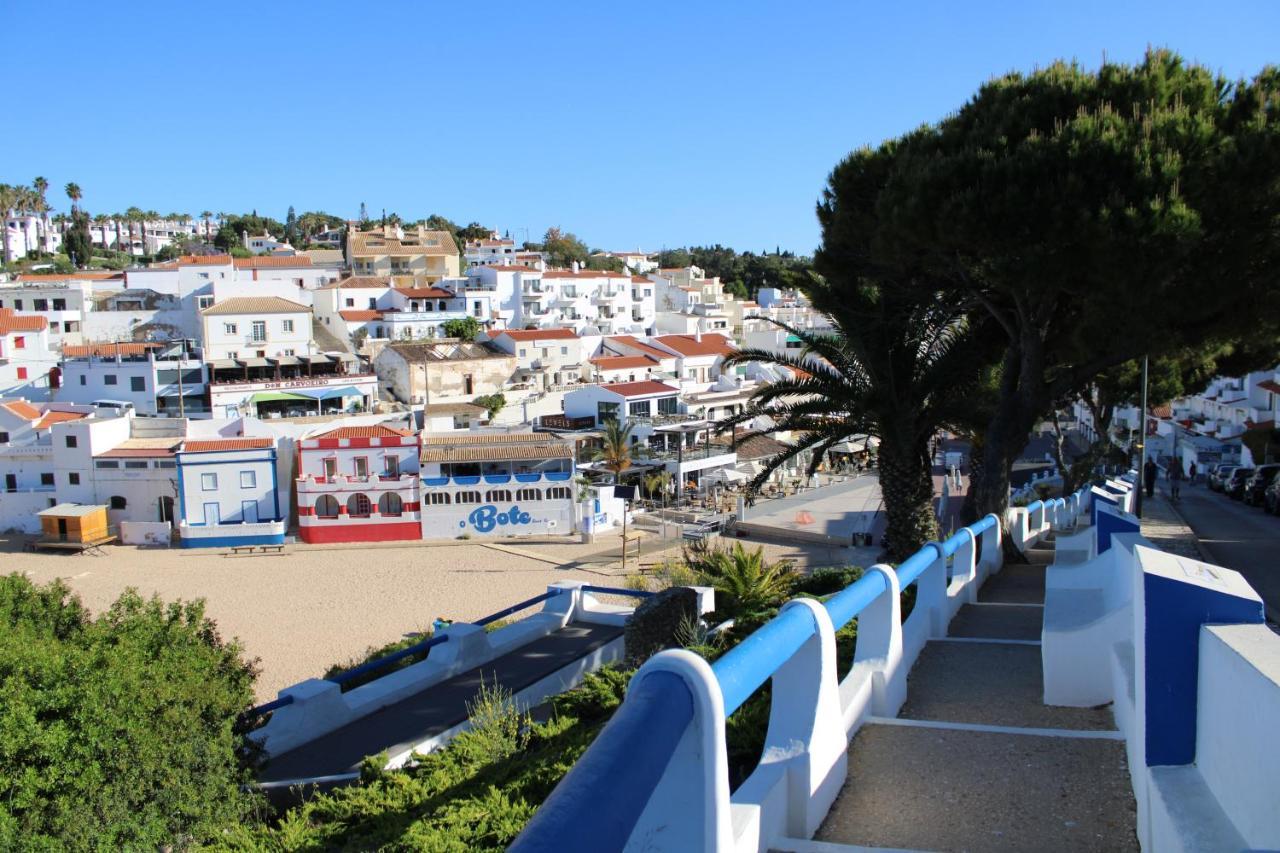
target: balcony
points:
(312, 484)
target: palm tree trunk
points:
(906, 482)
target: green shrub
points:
(373, 653)
(826, 581)
(116, 733)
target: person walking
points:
(1149, 473)
(1191, 475)
(1175, 480)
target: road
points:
(1240, 537)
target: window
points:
(73, 478)
(71, 441)
(351, 303)
(358, 505)
(40, 305)
(135, 463)
(528, 494)
(4, 438)
(327, 506)
(667, 405)
(248, 479)
(259, 330)
(360, 466)
(228, 328)
(497, 495)
(467, 498)
(137, 383)
(117, 502)
(165, 463)
(59, 305)
(287, 352)
(391, 466)
(390, 504)
(22, 373)
(19, 342)
(208, 482)
(84, 380)
(556, 493)
(434, 498)
(287, 325)
(203, 302)
(639, 409)
(46, 479)
(330, 468)
(110, 379)
(564, 350)
(17, 305)
(523, 353)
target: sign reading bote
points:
(487, 517)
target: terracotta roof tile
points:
(50, 418)
(426, 292)
(216, 444)
(142, 447)
(79, 276)
(1270, 385)
(107, 350)
(272, 262)
(375, 431)
(203, 260)
(640, 389)
(622, 362)
(689, 345)
(583, 274)
(632, 343)
(353, 316)
(540, 334)
(22, 409)
(511, 268)
(255, 305)
(11, 322)
(366, 243)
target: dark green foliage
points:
(563, 248)
(742, 274)
(116, 732)
(605, 263)
(77, 242)
(826, 581)
(375, 652)
(233, 228)
(465, 328)
(492, 403)
(658, 623)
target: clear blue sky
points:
(632, 124)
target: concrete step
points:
(945, 789)
(996, 684)
(1039, 556)
(1015, 585)
(998, 621)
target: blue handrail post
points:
(806, 710)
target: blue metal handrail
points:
(613, 590)
(267, 707)
(658, 710)
(369, 666)
(537, 599)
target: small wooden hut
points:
(73, 526)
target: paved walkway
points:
(975, 760)
(400, 727)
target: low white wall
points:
(18, 509)
(145, 533)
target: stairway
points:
(975, 761)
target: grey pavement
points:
(1040, 778)
(1237, 536)
(436, 710)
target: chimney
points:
(576, 266)
(697, 331)
(541, 265)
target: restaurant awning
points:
(287, 360)
(328, 393)
(316, 358)
(253, 362)
(274, 396)
(344, 356)
(224, 364)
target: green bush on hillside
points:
(116, 732)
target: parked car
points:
(1271, 497)
(1256, 486)
(1235, 486)
(1220, 474)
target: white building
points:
(26, 356)
(24, 232)
(259, 327)
(27, 459)
(699, 357)
(496, 484)
(170, 379)
(546, 357)
(264, 244)
(387, 312)
(228, 493)
(601, 302)
(492, 251)
(63, 302)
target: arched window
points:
(497, 495)
(467, 498)
(437, 497)
(528, 495)
(555, 493)
(327, 506)
(358, 505)
(390, 504)
(118, 502)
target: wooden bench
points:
(236, 549)
(279, 549)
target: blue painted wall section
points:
(1100, 496)
(1108, 520)
(1174, 612)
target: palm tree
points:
(116, 217)
(206, 215)
(614, 455)
(41, 187)
(73, 193)
(749, 582)
(101, 221)
(891, 368)
(135, 216)
(8, 200)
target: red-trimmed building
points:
(359, 484)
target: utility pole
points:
(1142, 443)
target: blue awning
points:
(328, 393)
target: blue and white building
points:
(229, 493)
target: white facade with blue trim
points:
(228, 493)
